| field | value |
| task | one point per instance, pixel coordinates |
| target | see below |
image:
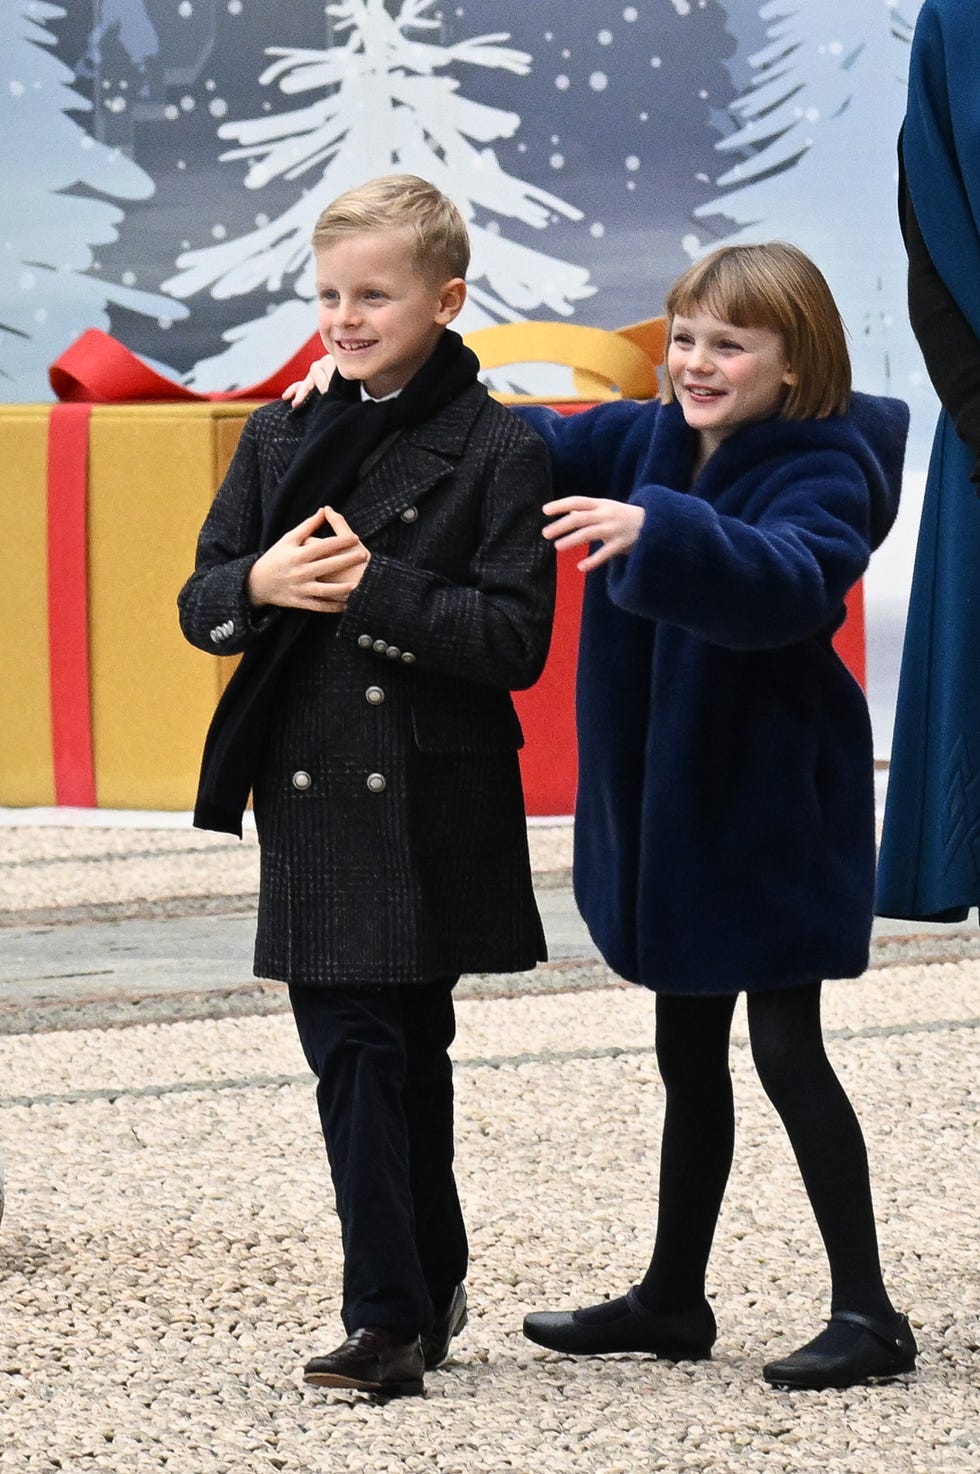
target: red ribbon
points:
(101, 370)
(98, 369)
(68, 662)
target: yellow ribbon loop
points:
(606, 365)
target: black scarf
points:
(343, 432)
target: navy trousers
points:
(385, 1097)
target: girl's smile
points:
(725, 376)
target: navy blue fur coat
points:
(725, 814)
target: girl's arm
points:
(593, 451)
(751, 585)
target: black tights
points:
(699, 1136)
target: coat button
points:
(302, 781)
(364, 642)
(408, 658)
(380, 646)
(376, 782)
(410, 514)
(374, 695)
(393, 652)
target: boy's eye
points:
(682, 338)
(730, 343)
(374, 295)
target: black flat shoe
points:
(371, 1360)
(867, 1351)
(447, 1325)
(625, 1325)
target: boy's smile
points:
(378, 315)
(725, 376)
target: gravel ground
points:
(169, 1257)
(47, 871)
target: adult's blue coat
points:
(930, 852)
(725, 814)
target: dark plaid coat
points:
(389, 805)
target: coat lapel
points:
(414, 463)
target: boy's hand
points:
(318, 376)
(304, 571)
(591, 519)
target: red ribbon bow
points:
(98, 369)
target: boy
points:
(377, 557)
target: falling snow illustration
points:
(182, 149)
(50, 285)
(827, 93)
(383, 99)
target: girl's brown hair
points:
(774, 285)
(398, 202)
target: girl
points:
(724, 837)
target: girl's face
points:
(725, 377)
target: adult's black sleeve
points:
(949, 345)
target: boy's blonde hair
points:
(774, 285)
(400, 202)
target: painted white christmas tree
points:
(49, 284)
(381, 100)
(828, 93)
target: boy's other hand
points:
(305, 570)
(592, 519)
(318, 376)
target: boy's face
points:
(377, 316)
(724, 376)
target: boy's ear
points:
(452, 295)
(791, 377)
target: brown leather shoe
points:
(447, 1324)
(372, 1359)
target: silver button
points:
(380, 646)
(410, 514)
(302, 780)
(393, 652)
(365, 642)
(376, 782)
(408, 658)
(374, 695)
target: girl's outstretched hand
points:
(318, 376)
(592, 519)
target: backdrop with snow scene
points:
(166, 158)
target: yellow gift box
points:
(105, 703)
(152, 474)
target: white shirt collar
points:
(379, 399)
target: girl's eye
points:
(683, 338)
(374, 296)
(731, 346)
